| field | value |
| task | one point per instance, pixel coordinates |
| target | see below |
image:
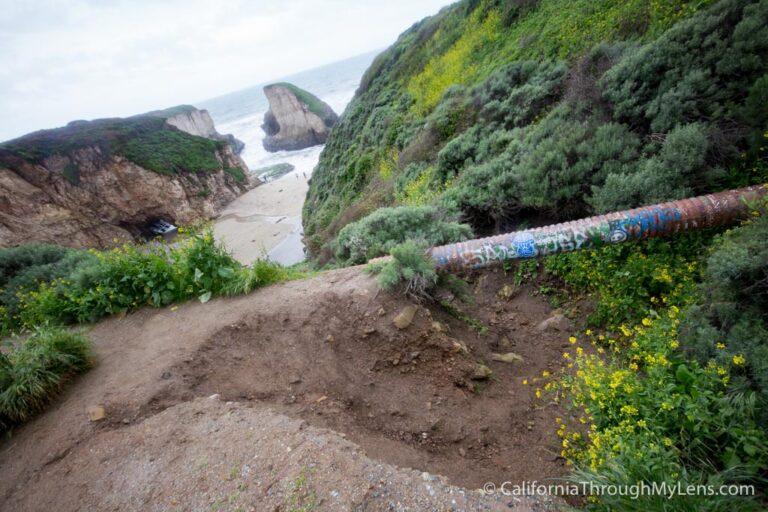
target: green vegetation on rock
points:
(146, 140)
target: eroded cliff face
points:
(294, 122)
(109, 198)
(195, 122)
(200, 123)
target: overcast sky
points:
(81, 59)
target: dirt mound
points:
(324, 350)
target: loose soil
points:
(318, 398)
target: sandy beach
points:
(266, 221)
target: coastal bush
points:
(379, 232)
(34, 369)
(554, 110)
(23, 269)
(639, 408)
(409, 270)
(698, 70)
(652, 415)
(729, 325)
(681, 162)
(130, 277)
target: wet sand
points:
(265, 221)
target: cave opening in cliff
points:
(151, 228)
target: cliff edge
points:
(296, 119)
(198, 122)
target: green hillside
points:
(500, 115)
(525, 112)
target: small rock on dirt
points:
(482, 372)
(509, 357)
(439, 327)
(96, 412)
(506, 292)
(459, 348)
(557, 322)
(405, 317)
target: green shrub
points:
(33, 371)
(591, 125)
(631, 278)
(730, 322)
(131, 277)
(681, 162)
(695, 70)
(651, 413)
(409, 269)
(379, 232)
(23, 269)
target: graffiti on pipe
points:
(529, 244)
(663, 219)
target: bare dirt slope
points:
(287, 363)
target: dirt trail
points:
(286, 363)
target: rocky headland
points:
(296, 119)
(91, 182)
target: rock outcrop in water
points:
(296, 119)
(93, 181)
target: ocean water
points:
(241, 113)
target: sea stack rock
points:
(296, 119)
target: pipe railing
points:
(659, 220)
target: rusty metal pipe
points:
(712, 210)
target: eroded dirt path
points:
(288, 362)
